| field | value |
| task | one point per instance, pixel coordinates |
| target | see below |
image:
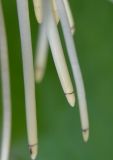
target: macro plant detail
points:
(4, 68)
(49, 13)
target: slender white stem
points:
(75, 68)
(38, 10)
(68, 12)
(41, 54)
(59, 59)
(55, 13)
(6, 133)
(25, 33)
(70, 16)
(42, 42)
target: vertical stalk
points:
(28, 71)
(6, 95)
(75, 69)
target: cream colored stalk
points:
(6, 95)
(38, 10)
(28, 71)
(75, 68)
(70, 16)
(41, 54)
(42, 44)
(59, 60)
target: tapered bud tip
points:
(38, 74)
(33, 152)
(85, 134)
(73, 30)
(71, 99)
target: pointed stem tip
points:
(33, 151)
(71, 98)
(85, 134)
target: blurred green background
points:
(58, 124)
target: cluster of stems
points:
(49, 14)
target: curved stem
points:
(6, 133)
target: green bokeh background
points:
(59, 125)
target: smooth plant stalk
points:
(75, 69)
(59, 59)
(38, 10)
(42, 42)
(39, 15)
(55, 13)
(41, 54)
(70, 16)
(6, 133)
(28, 71)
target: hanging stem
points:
(6, 133)
(75, 69)
(28, 71)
